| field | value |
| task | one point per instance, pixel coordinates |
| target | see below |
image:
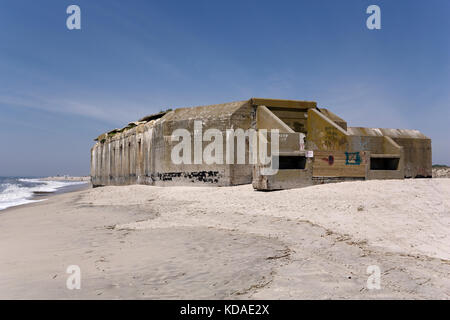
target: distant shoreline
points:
(66, 178)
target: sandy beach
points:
(232, 242)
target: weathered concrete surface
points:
(415, 145)
(140, 153)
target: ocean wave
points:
(50, 186)
(21, 191)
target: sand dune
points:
(232, 242)
(441, 172)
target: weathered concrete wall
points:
(141, 152)
(417, 155)
(284, 179)
(340, 164)
(333, 117)
(324, 134)
(266, 119)
(414, 147)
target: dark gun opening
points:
(384, 163)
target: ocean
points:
(15, 191)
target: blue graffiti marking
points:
(352, 158)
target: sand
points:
(441, 172)
(232, 242)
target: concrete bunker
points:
(315, 146)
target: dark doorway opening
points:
(384, 163)
(292, 162)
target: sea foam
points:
(18, 191)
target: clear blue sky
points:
(59, 89)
